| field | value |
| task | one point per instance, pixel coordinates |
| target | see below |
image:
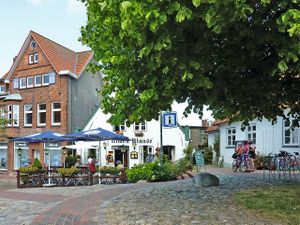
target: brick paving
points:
(125, 204)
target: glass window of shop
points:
(3, 156)
(54, 154)
(23, 159)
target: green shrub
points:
(140, 172)
(29, 169)
(152, 172)
(70, 161)
(36, 163)
(163, 172)
(216, 149)
(208, 155)
(188, 153)
(181, 166)
(68, 171)
(109, 169)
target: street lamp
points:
(19, 154)
(133, 145)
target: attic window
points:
(33, 58)
(33, 44)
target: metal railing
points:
(44, 177)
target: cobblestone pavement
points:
(176, 202)
(180, 202)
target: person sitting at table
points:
(78, 163)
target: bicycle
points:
(295, 161)
(242, 163)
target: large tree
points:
(240, 57)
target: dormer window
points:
(33, 58)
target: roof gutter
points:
(67, 72)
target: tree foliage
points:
(240, 57)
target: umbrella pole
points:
(49, 181)
(99, 165)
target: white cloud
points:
(75, 6)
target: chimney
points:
(205, 123)
(15, 58)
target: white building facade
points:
(143, 145)
(267, 138)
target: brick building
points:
(46, 88)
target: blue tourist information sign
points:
(169, 119)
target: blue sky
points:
(58, 20)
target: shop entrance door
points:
(121, 157)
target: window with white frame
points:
(290, 133)
(38, 81)
(46, 79)
(41, 114)
(251, 133)
(29, 82)
(230, 135)
(55, 114)
(35, 58)
(52, 78)
(28, 115)
(31, 59)
(16, 114)
(16, 83)
(9, 115)
(2, 89)
(140, 126)
(119, 128)
(22, 82)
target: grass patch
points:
(281, 203)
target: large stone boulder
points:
(205, 180)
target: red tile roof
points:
(215, 126)
(212, 129)
(220, 122)
(61, 58)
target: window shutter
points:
(16, 83)
(52, 78)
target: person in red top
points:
(92, 166)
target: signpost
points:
(199, 160)
(167, 120)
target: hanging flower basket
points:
(139, 134)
